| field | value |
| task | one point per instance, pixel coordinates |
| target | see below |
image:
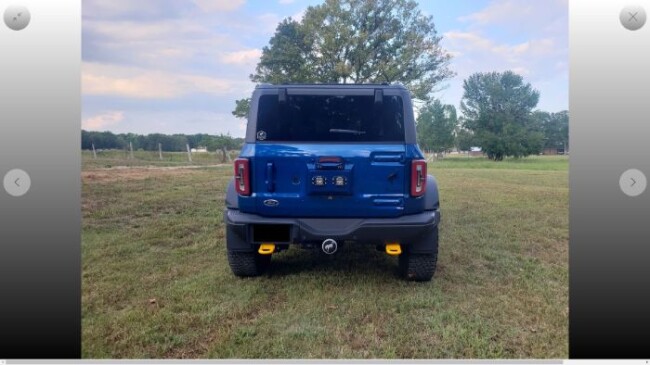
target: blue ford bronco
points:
(326, 164)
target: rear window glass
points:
(322, 118)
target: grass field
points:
(156, 282)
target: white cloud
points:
(522, 16)
(299, 15)
(472, 43)
(132, 30)
(167, 44)
(103, 121)
(268, 22)
(100, 79)
(523, 71)
(500, 11)
(129, 9)
(468, 39)
(245, 57)
(286, 2)
(219, 5)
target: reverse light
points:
(418, 177)
(318, 180)
(242, 176)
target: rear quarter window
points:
(330, 118)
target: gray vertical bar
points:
(609, 231)
(40, 134)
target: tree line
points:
(363, 41)
(150, 142)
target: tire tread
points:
(248, 264)
(418, 267)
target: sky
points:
(177, 66)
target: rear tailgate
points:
(333, 180)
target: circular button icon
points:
(632, 17)
(633, 182)
(17, 17)
(17, 182)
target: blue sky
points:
(176, 66)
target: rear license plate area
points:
(273, 233)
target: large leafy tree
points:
(436, 125)
(555, 127)
(356, 41)
(498, 107)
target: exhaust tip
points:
(329, 246)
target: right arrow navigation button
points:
(632, 182)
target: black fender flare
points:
(432, 200)
(231, 195)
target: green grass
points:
(501, 289)
(545, 163)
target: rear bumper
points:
(416, 231)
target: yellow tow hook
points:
(393, 249)
(266, 248)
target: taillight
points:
(418, 177)
(242, 176)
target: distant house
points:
(476, 151)
(552, 151)
(199, 150)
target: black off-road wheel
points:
(417, 267)
(420, 266)
(247, 264)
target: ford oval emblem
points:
(271, 203)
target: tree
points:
(176, 142)
(241, 108)
(356, 41)
(555, 127)
(286, 59)
(436, 125)
(498, 108)
(465, 140)
(220, 142)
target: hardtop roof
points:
(331, 86)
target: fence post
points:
(131, 149)
(189, 153)
(160, 151)
(94, 152)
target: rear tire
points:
(420, 266)
(417, 267)
(247, 264)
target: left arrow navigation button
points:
(17, 182)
